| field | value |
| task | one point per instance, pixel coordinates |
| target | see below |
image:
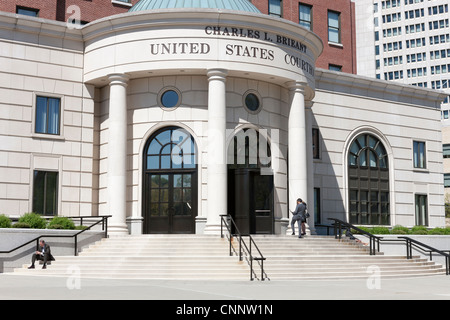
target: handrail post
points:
(76, 245)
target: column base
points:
(118, 230)
(212, 229)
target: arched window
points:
(368, 176)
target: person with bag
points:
(299, 216)
(305, 215)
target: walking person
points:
(298, 216)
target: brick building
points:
(332, 21)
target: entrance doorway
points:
(250, 192)
(170, 182)
(250, 201)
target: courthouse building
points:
(177, 112)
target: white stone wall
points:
(343, 109)
(34, 61)
(145, 116)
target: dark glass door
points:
(250, 201)
(169, 203)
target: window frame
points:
(419, 216)
(60, 135)
(339, 41)
(307, 22)
(419, 164)
(44, 191)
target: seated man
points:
(43, 253)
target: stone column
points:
(217, 166)
(310, 161)
(117, 153)
(297, 146)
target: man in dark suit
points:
(43, 253)
(298, 216)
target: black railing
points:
(242, 245)
(102, 219)
(374, 242)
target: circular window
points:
(252, 102)
(169, 98)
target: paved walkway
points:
(14, 287)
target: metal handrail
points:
(373, 240)
(103, 221)
(243, 245)
(409, 243)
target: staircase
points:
(151, 257)
(322, 258)
(202, 257)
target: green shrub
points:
(61, 223)
(34, 220)
(399, 230)
(419, 230)
(380, 230)
(5, 222)
(438, 231)
(21, 225)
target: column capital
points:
(297, 86)
(217, 74)
(118, 78)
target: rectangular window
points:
(334, 32)
(45, 192)
(421, 210)
(446, 180)
(48, 114)
(316, 143)
(27, 11)
(317, 206)
(419, 154)
(275, 8)
(305, 16)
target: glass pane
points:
(152, 162)
(51, 194)
(177, 180)
(275, 7)
(187, 180)
(154, 148)
(53, 116)
(164, 209)
(373, 159)
(38, 191)
(187, 195)
(154, 209)
(165, 162)
(333, 35)
(164, 182)
(41, 115)
(169, 99)
(155, 181)
(154, 195)
(177, 195)
(164, 195)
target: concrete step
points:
(197, 257)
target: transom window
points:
(368, 177)
(173, 148)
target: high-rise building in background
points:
(407, 41)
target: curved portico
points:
(214, 45)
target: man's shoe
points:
(293, 233)
(44, 267)
(31, 267)
(300, 237)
